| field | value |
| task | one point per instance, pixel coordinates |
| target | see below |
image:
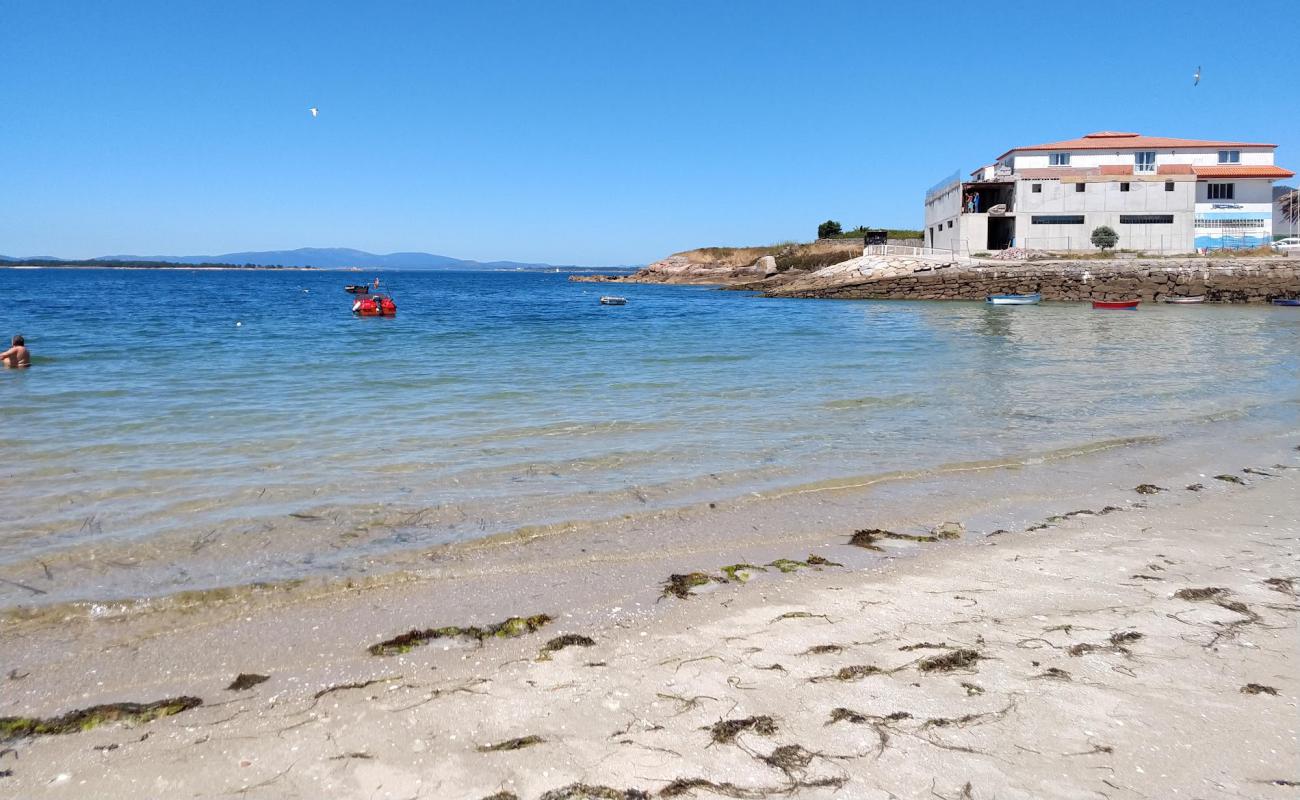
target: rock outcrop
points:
(680, 269)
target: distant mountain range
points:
(321, 257)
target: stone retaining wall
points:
(1241, 280)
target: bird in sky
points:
(314, 110)
(1196, 81)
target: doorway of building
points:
(1002, 232)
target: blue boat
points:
(1286, 301)
(1014, 299)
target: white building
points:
(1159, 195)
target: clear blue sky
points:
(599, 132)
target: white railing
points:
(907, 250)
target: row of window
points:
(1230, 224)
(1037, 188)
(1124, 219)
(1145, 161)
(1215, 191)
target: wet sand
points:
(1060, 658)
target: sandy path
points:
(1080, 673)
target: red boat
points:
(378, 305)
(1127, 304)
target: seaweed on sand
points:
(1258, 688)
(583, 791)
(949, 661)
(246, 680)
(787, 564)
(1283, 585)
(518, 743)
(822, 649)
(1195, 487)
(1230, 479)
(1195, 595)
(502, 796)
(560, 642)
(506, 629)
(83, 719)
(819, 561)
(849, 674)
(725, 731)
(868, 537)
(948, 530)
(739, 573)
(680, 585)
(1149, 488)
(685, 787)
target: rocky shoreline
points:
(1218, 279)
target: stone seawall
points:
(1234, 280)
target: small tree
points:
(1104, 237)
(828, 229)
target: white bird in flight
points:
(1196, 79)
(314, 111)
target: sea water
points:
(189, 429)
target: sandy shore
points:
(1065, 658)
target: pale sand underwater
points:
(1148, 650)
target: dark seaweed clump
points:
(560, 642)
(511, 744)
(246, 680)
(952, 660)
(1148, 488)
(583, 791)
(726, 731)
(1208, 593)
(83, 719)
(680, 586)
(514, 626)
(1258, 688)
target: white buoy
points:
(238, 324)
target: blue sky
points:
(577, 132)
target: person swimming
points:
(18, 355)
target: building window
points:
(1229, 224)
(1059, 159)
(1229, 156)
(1221, 191)
(1057, 219)
(949, 224)
(1146, 219)
(1123, 187)
(1036, 188)
(1144, 161)
(1169, 186)
(1079, 187)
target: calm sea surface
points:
(192, 429)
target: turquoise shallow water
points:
(153, 427)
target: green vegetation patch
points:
(83, 719)
(739, 573)
(509, 628)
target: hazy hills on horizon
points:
(320, 257)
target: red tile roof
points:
(1174, 169)
(1242, 171)
(1115, 140)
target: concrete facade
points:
(1158, 194)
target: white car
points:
(1291, 244)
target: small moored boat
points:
(357, 289)
(1128, 305)
(1014, 299)
(611, 300)
(380, 305)
(1200, 298)
(1287, 301)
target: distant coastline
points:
(52, 264)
